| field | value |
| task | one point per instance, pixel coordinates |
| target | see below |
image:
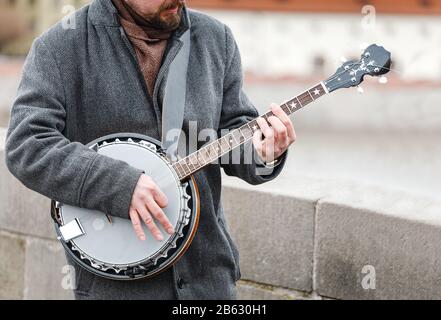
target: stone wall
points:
(299, 239)
(335, 240)
(31, 259)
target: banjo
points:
(108, 246)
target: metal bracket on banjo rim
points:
(71, 230)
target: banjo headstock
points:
(375, 61)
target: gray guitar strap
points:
(174, 97)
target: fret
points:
(217, 148)
(238, 136)
(201, 158)
(230, 140)
(294, 105)
(224, 145)
(178, 169)
(210, 152)
(246, 132)
(213, 152)
(189, 164)
(185, 167)
(194, 161)
(182, 167)
(299, 104)
(206, 153)
(285, 109)
(233, 138)
(317, 91)
(183, 171)
(254, 125)
(305, 99)
(289, 107)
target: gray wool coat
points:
(84, 83)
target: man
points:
(107, 76)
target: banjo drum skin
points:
(108, 246)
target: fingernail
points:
(171, 230)
(160, 238)
(142, 238)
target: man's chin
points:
(171, 19)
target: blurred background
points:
(388, 137)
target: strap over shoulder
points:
(175, 95)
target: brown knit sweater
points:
(149, 43)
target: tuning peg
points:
(360, 90)
(383, 80)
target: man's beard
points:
(164, 20)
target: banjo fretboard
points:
(216, 149)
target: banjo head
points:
(108, 246)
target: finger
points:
(257, 142)
(257, 139)
(159, 215)
(160, 197)
(280, 132)
(269, 150)
(277, 110)
(136, 222)
(266, 129)
(149, 222)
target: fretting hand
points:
(279, 134)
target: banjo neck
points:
(198, 160)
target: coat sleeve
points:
(44, 160)
(237, 110)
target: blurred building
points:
(334, 6)
(319, 32)
(41, 14)
(37, 16)
(310, 37)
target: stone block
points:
(12, 265)
(21, 210)
(44, 272)
(274, 234)
(372, 244)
